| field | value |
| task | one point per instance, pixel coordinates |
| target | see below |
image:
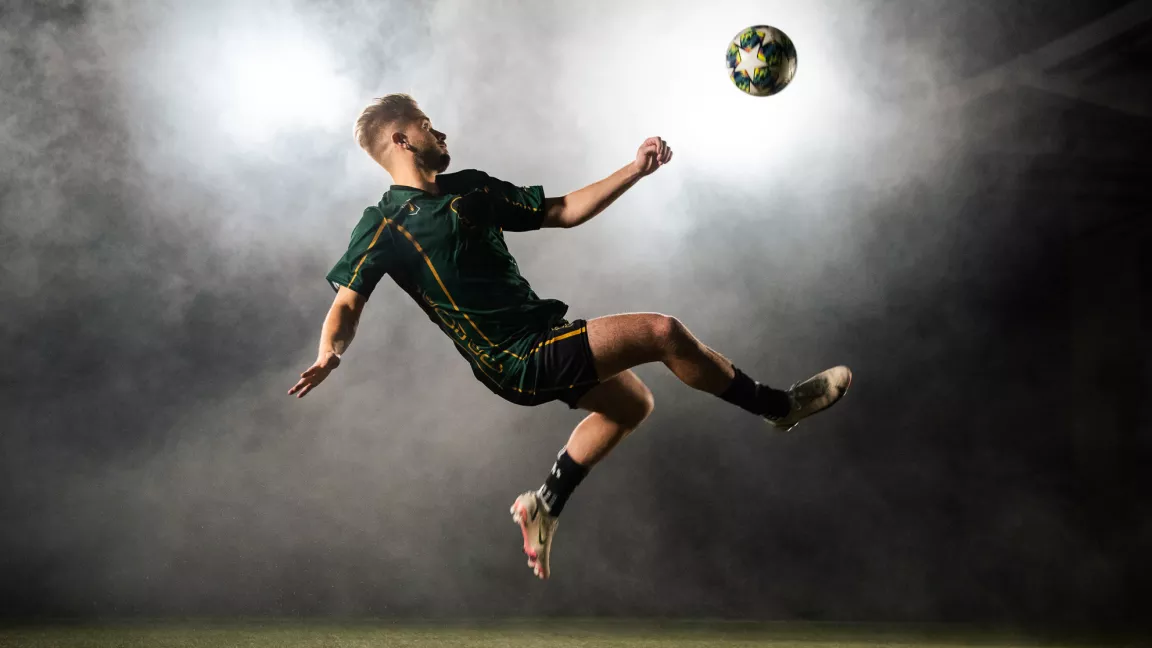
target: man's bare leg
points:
(621, 402)
(617, 405)
(620, 342)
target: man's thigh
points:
(620, 342)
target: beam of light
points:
(269, 84)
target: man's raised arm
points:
(581, 205)
(339, 329)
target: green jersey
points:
(447, 251)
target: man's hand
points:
(653, 154)
(315, 374)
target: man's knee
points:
(629, 401)
(668, 332)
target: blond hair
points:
(381, 113)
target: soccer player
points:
(440, 237)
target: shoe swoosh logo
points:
(540, 534)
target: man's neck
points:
(424, 180)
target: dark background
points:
(994, 302)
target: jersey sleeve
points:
(513, 208)
(516, 209)
(369, 256)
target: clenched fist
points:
(653, 154)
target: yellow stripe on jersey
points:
(439, 281)
(447, 294)
(365, 256)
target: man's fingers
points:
(658, 149)
(304, 392)
(308, 379)
(297, 386)
(653, 153)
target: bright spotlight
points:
(270, 84)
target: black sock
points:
(756, 398)
(566, 475)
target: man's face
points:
(427, 144)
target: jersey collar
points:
(404, 192)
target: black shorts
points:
(559, 367)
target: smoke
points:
(177, 178)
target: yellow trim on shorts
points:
(583, 329)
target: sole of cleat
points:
(519, 515)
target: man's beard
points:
(433, 158)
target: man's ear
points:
(400, 140)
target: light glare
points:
(270, 85)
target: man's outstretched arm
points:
(339, 329)
(580, 206)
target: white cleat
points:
(816, 394)
(538, 528)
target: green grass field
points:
(512, 634)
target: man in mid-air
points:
(440, 237)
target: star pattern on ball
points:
(750, 61)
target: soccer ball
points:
(761, 60)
